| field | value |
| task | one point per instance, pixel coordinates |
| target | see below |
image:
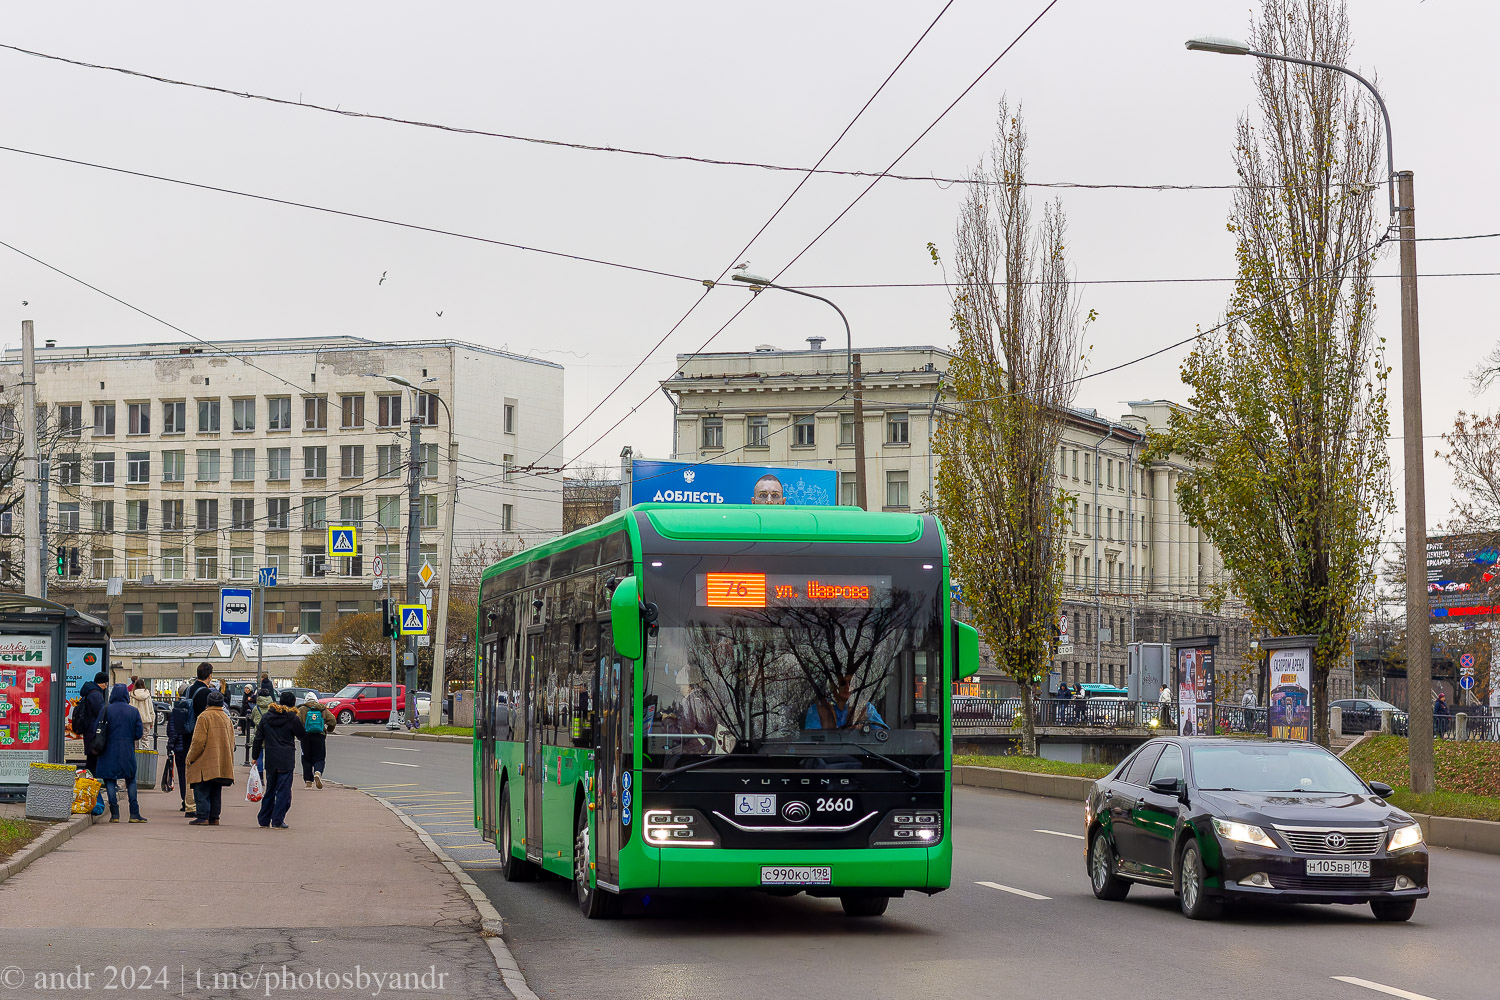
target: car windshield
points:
(348, 690)
(794, 655)
(1267, 767)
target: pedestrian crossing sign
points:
(412, 619)
(343, 541)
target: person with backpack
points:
(179, 733)
(119, 729)
(317, 723)
(278, 734)
(85, 717)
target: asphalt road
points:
(1020, 921)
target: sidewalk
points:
(236, 910)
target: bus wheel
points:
(594, 902)
(864, 906)
(515, 869)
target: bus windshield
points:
(799, 655)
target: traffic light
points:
(62, 561)
(387, 627)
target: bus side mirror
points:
(625, 619)
(966, 650)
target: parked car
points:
(968, 706)
(1362, 714)
(365, 701)
(1232, 819)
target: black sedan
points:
(1226, 819)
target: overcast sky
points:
(1109, 94)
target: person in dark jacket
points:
(200, 688)
(278, 734)
(314, 740)
(178, 739)
(91, 706)
(117, 761)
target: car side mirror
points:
(1381, 789)
(1169, 786)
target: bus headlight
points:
(679, 828)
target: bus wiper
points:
(912, 775)
(661, 778)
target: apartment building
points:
(178, 469)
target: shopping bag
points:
(99, 803)
(86, 791)
(255, 788)
(166, 778)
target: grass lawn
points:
(448, 731)
(16, 834)
(1036, 765)
(1468, 776)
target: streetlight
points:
(1418, 625)
(855, 388)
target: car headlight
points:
(1403, 837)
(1242, 832)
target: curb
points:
(1054, 786)
(48, 842)
(381, 734)
(490, 923)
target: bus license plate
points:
(797, 875)
(1337, 866)
(754, 804)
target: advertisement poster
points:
(25, 700)
(685, 482)
(1289, 716)
(1195, 686)
(83, 664)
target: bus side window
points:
(498, 670)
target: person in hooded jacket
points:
(178, 737)
(210, 759)
(278, 734)
(90, 707)
(141, 700)
(314, 740)
(123, 724)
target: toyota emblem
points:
(1336, 841)
(795, 811)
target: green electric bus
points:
(724, 697)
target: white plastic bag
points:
(255, 788)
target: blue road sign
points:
(234, 611)
(268, 576)
(1466, 682)
(411, 619)
(343, 541)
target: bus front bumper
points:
(926, 869)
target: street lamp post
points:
(856, 389)
(1418, 624)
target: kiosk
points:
(33, 703)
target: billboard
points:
(26, 677)
(1195, 686)
(697, 483)
(1289, 715)
(1463, 570)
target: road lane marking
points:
(462, 833)
(1380, 988)
(397, 763)
(1018, 892)
(1059, 833)
(409, 784)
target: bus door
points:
(491, 667)
(535, 773)
(607, 759)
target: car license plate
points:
(1337, 866)
(754, 805)
(795, 875)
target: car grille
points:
(1356, 842)
(1332, 883)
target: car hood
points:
(1303, 809)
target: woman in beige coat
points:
(140, 700)
(210, 760)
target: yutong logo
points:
(822, 782)
(795, 811)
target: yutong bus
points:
(699, 698)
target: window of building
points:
(174, 417)
(846, 429)
(104, 468)
(348, 608)
(314, 560)
(203, 619)
(104, 420)
(508, 464)
(278, 514)
(242, 514)
(1062, 461)
(275, 618)
(429, 511)
(166, 619)
(713, 432)
(352, 412)
(352, 511)
(7, 422)
(388, 410)
(278, 557)
(1085, 521)
(314, 463)
(352, 461)
(758, 431)
(135, 514)
(897, 429)
(241, 563)
(208, 562)
(315, 413)
(429, 461)
(139, 418)
(427, 408)
(173, 466)
(243, 465)
(67, 516)
(1109, 473)
(208, 416)
(69, 469)
(278, 413)
(1075, 463)
(278, 464)
(509, 425)
(104, 515)
(387, 460)
(315, 512)
(312, 618)
(70, 420)
(848, 489)
(135, 619)
(391, 554)
(137, 563)
(207, 511)
(171, 564)
(804, 431)
(171, 515)
(208, 465)
(102, 563)
(388, 511)
(507, 517)
(138, 467)
(895, 488)
(244, 415)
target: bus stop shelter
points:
(33, 702)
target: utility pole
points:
(1418, 622)
(440, 641)
(857, 377)
(42, 522)
(32, 501)
(413, 546)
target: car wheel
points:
(1393, 909)
(1196, 903)
(864, 906)
(346, 717)
(515, 869)
(593, 902)
(1106, 884)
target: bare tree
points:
(589, 495)
(1012, 376)
(61, 445)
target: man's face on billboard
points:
(768, 490)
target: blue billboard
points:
(686, 482)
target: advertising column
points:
(26, 680)
(1195, 684)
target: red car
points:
(365, 701)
